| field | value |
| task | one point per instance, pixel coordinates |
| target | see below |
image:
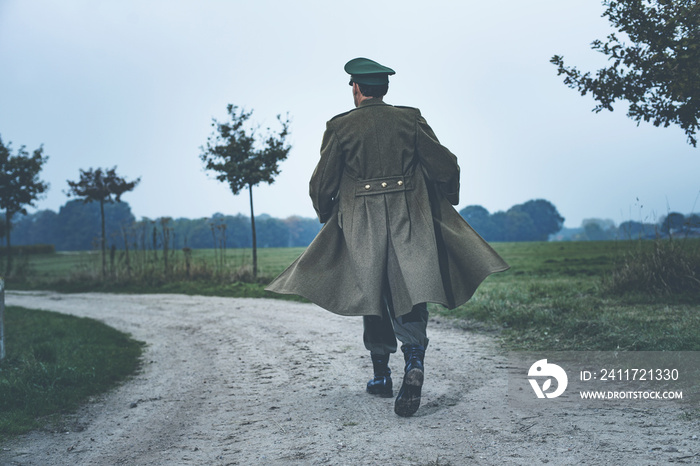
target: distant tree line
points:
(534, 220)
(594, 229)
(77, 227)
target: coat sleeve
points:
(325, 181)
(439, 163)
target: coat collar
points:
(370, 102)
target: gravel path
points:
(254, 381)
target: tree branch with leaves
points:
(658, 74)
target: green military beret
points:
(366, 71)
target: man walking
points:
(392, 242)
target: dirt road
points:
(243, 381)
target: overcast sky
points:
(135, 84)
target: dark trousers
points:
(380, 333)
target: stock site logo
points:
(551, 371)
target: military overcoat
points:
(384, 188)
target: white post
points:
(2, 319)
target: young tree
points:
(244, 160)
(658, 73)
(103, 187)
(19, 185)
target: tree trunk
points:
(104, 252)
(255, 242)
(2, 319)
(126, 251)
(166, 246)
(8, 227)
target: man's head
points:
(368, 79)
(362, 92)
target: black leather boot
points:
(381, 383)
(408, 399)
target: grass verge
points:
(555, 315)
(54, 363)
(604, 296)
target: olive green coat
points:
(384, 188)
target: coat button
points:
(400, 183)
(384, 185)
(367, 186)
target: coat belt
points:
(389, 184)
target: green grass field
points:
(54, 363)
(555, 296)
